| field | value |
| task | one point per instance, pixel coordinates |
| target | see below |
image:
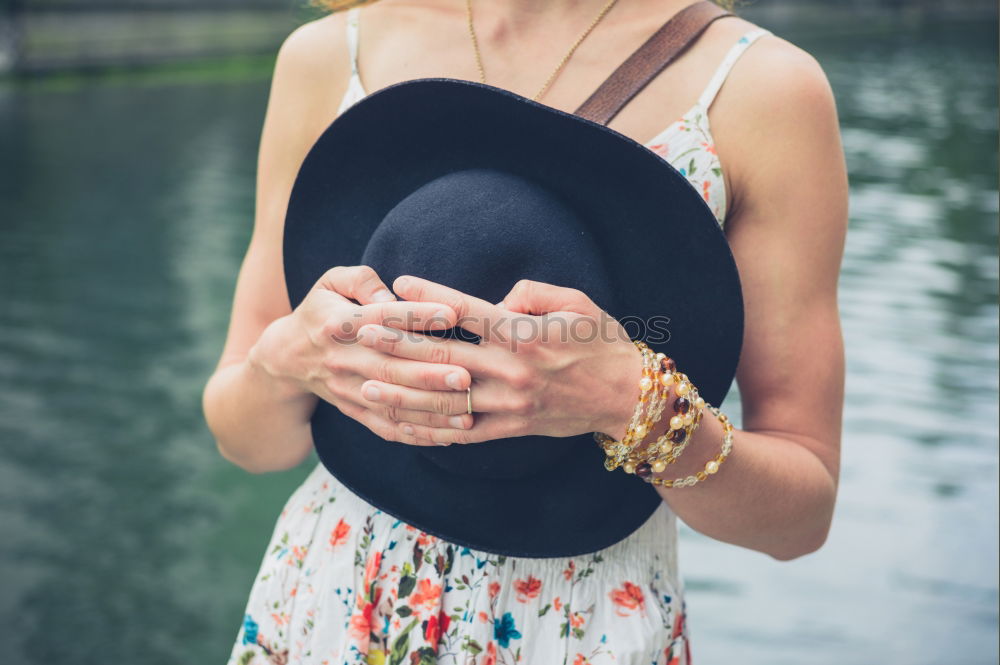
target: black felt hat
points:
(476, 188)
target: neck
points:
(516, 16)
(512, 18)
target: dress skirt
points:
(344, 583)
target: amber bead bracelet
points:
(659, 372)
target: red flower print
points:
(710, 148)
(527, 589)
(361, 627)
(661, 149)
(490, 657)
(556, 603)
(371, 568)
(576, 620)
(629, 597)
(431, 632)
(436, 625)
(705, 187)
(672, 654)
(568, 573)
(494, 589)
(484, 617)
(581, 660)
(425, 539)
(427, 593)
(339, 534)
(678, 624)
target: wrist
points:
(267, 360)
(624, 383)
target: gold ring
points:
(468, 400)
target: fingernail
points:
(442, 443)
(407, 430)
(372, 393)
(402, 281)
(457, 422)
(383, 296)
(454, 381)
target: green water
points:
(126, 205)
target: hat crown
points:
(480, 231)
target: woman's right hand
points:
(315, 350)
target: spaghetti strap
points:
(352, 37)
(712, 89)
(355, 90)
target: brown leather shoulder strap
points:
(649, 60)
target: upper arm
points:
(787, 231)
(310, 75)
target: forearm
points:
(260, 423)
(772, 494)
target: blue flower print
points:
(249, 630)
(504, 631)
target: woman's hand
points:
(315, 349)
(550, 362)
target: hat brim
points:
(667, 258)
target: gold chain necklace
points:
(562, 63)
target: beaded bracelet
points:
(637, 428)
(658, 372)
(668, 447)
(711, 466)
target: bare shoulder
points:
(778, 107)
(775, 75)
(313, 59)
(309, 42)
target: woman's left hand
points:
(550, 362)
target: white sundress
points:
(344, 583)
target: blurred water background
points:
(125, 207)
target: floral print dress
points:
(344, 583)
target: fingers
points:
(476, 359)
(428, 429)
(415, 374)
(488, 427)
(359, 283)
(475, 315)
(441, 402)
(397, 315)
(382, 427)
(528, 297)
(405, 417)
